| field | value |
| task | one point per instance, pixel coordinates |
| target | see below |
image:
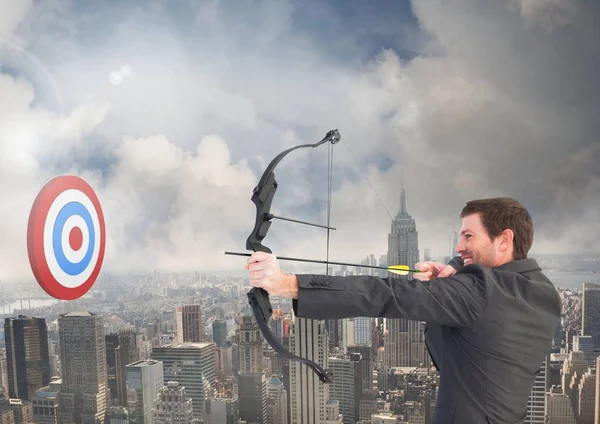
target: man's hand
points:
(432, 270)
(266, 274)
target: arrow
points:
(395, 269)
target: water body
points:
(37, 303)
(572, 279)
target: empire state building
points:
(403, 240)
(404, 344)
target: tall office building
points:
(189, 364)
(333, 413)
(252, 383)
(277, 407)
(252, 389)
(219, 328)
(84, 391)
(574, 368)
(250, 344)
(403, 240)
(308, 396)
(189, 324)
(585, 344)
(364, 328)
(559, 407)
(27, 357)
(590, 314)
(144, 380)
(536, 405)
(586, 398)
(221, 410)
(45, 403)
(173, 405)
(597, 393)
(121, 350)
(453, 242)
(405, 344)
(346, 387)
(3, 371)
(366, 366)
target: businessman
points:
(491, 313)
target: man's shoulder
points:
(514, 273)
(528, 267)
(519, 279)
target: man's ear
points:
(506, 239)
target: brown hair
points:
(501, 213)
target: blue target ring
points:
(70, 209)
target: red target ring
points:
(66, 237)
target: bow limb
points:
(258, 298)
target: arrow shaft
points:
(314, 261)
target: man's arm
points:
(454, 301)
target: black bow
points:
(262, 197)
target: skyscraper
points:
(219, 328)
(27, 357)
(250, 343)
(590, 314)
(536, 406)
(121, 350)
(144, 380)
(405, 345)
(308, 396)
(403, 240)
(189, 324)
(174, 405)
(189, 364)
(84, 392)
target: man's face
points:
(474, 244)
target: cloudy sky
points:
(171, 110)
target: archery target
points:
(66, 237)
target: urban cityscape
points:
(186, 348)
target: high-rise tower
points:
(404, 345)
(84, 395)
(403, 239)
(27, 358)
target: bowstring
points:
(367, 178)
(329, 186)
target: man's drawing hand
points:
(431, 269)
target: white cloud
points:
(186, 135)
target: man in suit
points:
(491, 313)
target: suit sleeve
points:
(456, 262)
(454, 301)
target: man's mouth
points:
(467, 260)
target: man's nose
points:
(460, 247)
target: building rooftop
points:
(143, 363)
(188, 345)
(79, 314)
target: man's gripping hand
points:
(265, 273)
(431, 269)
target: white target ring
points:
(58, 269)
(66, 237)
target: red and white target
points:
(66, 237)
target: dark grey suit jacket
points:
(488, 330)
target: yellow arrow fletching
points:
(399, 269)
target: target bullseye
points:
(75, 238)
(66, 237)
